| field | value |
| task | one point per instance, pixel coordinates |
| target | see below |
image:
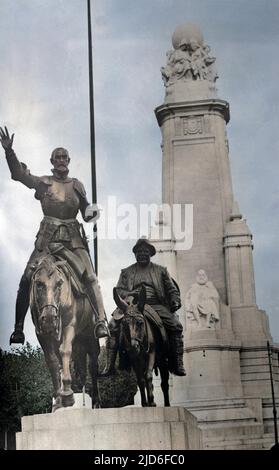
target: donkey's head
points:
(133, 323)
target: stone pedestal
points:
(207, 424)
(129, 428)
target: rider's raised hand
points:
(6, 140)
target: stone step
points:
(229, 431)
(255, 444)
(263, 443)
(254, 369)
(222, 416)
(254, 362)
(221, 403)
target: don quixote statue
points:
(59, 282)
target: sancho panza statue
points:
(162, 294)
(61, 198)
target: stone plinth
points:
(110, 429)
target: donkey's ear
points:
(121, 304)
(142, 299)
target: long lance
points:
(273, 396)
(92, 132)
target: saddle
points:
(71, 266)
(156, 320)
(77, 284)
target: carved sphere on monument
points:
(186, 33)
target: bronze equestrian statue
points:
(162, 294)
(143, 345)
(60, 233)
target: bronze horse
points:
(64, 328)
(143, 345)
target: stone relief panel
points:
(193, 125)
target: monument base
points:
(232, 424)
(130, 428)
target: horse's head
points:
(133, 322)
(47, 295)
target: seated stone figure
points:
(61, 198)
(161, 294)
(202, 303)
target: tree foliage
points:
(26, 386)
(117, 390)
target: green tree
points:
(25, 385)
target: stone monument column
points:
(195, 166)
(226, 333)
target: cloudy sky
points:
(44, 100)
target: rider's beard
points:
(60, 172)
(143, 261)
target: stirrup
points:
(17, 336)
(104, 333)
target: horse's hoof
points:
(57, 404)
(96, 406)
(69, 401)
(55, 407)
(153, 404)
(67, 398)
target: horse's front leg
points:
(51, 354)
(164, 373)
(94, 351)
(139, 371)
(149, 378)
(66, 353)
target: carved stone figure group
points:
(189, 61)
